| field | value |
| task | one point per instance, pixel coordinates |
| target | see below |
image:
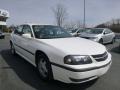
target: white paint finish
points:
(76, 46)
(63, 75)
(57, 49)
(107, 38)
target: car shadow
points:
(116, 49)
(27, 73)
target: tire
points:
(3, 37)
(12, 49)
(113, 40)
(44, 67)
(101, 41)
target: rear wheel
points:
(3, 37)
(44, 67)
(113, 40)
(12, 49)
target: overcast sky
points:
(39, 11)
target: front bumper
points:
(95, 39)
(80, 75)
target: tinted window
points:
(18, 30)
(107, 31)
(72, 31)
(81, 30)
(0, 32)
(26, 29)
(48, 32)
(94, 31)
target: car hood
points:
(75, 46)
(88, 35)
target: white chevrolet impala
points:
(57, 55)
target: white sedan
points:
(57, 55)
(101, 35)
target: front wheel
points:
(44, 67)
(101, 41)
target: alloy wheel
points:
(42, 67)
(12, 49)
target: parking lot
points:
(18, 74)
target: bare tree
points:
(60, 14)
(70, 25)
(113, 24)
(79, 24)
(73, 25)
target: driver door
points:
(27, 43)
(107, 36)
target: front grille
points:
(100, 57)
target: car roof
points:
(36, 24)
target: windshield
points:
(72, 31)
(81, 30)
(49, 32)
(94, 31)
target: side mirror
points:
(78, 33)
(27, 35)
(104, 33)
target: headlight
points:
(77, 60)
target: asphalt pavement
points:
(18, 74)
